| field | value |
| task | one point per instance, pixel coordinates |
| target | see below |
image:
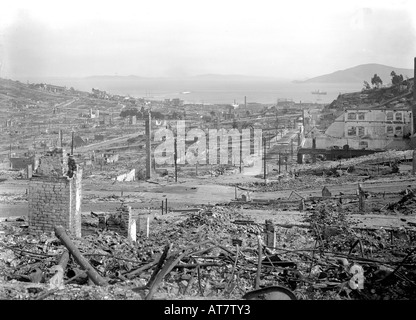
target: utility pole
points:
(60, 138)
(264, 159)
(286, 162)
(72, 144)
(303, 117)
(241, 149)
(291, 148)
(148, 132)
(175, 159)
(279, 163)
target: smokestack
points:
(414, 97)
(245, 102)
(148, 132)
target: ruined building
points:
(370, 121)
(370, 128)
(55, 194)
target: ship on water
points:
(319, 92)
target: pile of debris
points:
(303, 182)
(216, 253)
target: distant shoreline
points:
(206, 91)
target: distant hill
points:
(210, 77)
(114, 77)
(232, 77)
(359, 74)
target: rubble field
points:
(195, 256)
(330, 249)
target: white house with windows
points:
(369, 128)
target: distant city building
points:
(372, 128)
(94, 114)
(49, 87)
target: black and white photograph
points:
(207, 154)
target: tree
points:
(376, 81)
(157, 115)
(206, 118)
(366, 85)
(396, 79)
(129, 112)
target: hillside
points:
(361, 73)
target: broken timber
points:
(91, 272)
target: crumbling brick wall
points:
(123, 221)
(22, 162)
(54, 198)
(54, 163)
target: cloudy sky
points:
(291, 39)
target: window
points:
(389, 116)
(351, 131)
(399, 116)
(361, 115)
(363, 144)
(361, 131)
(390, 130)
(399, 131)
(352, 116)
